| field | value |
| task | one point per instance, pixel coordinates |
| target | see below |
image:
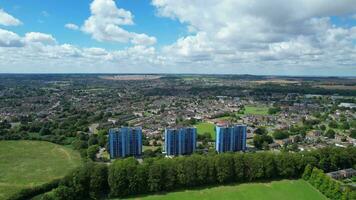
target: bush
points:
(92, 151)
(330, 133)
(28, 193)
(280, 134)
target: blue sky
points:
(50, 16)
(169, 36)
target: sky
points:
(261, 37)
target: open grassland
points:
(205, 127)
(256, 110)
(276, 190)
(25, 164)
(249, 110)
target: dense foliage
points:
(326, 185)
(87, 182)
(34, 191)
(129, 177)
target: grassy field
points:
(277, 190)
(153, 148)
(205, 127)
(28, 163)
(256, 110)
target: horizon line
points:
(167, 74)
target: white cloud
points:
(143, 39)
(35, 37)
(105, 23)
(235, 34)
(10, 39)
(94, 51)
(8, 20)
(296, 37)
(71, 26)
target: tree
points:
(294, 147)
(333, 124)
(353, 124)
(265, 146)
(201, 169)
(323, 127)
(98, 181)
(274, 110)
(258, 140)
(224, 168)
(148, 153)
(353, 133)
(92, 151)
(261, 131)
(280, 134)
(186, 171)
(93, 140)
(120, 173)
(345, 125)
(5, 125)
(330, 133)
(45, 131)
(155, 177)
(102, 140)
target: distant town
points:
(215, 129)
(281, 113)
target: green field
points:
(29, 163)
(256, 110)
(277, 190)
(205, 127)
(153, 148)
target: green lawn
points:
(205, 127)
(153, 148)
(256, 110)
(29, 163)
(276, 190)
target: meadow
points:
(276, 190)
(256, 110)
(205, 127)
(26, 164)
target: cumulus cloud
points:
(106, 21)
(254, 33)
(233, 36)
(8, 20)
(35, 37)
(143, 39)
(10, 39)
(71, 26)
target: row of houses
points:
(127, 141)
(341, 174)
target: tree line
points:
(326, 185)
(125, 177)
